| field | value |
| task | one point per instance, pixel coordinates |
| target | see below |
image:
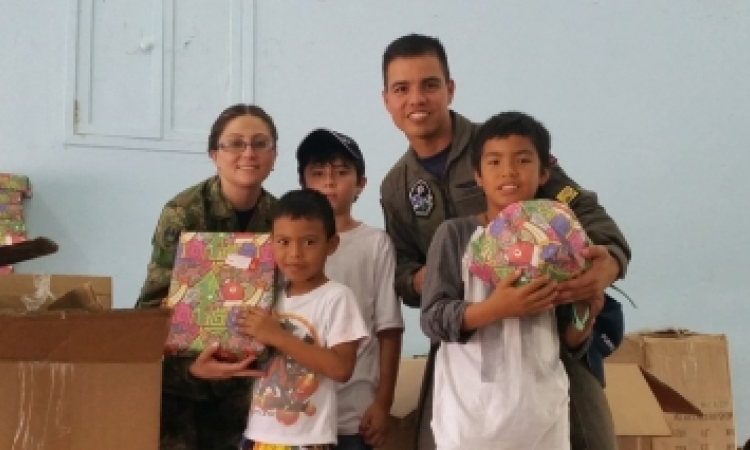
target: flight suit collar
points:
(462, 133)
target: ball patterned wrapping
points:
(539, 237)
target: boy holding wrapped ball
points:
(499, 380)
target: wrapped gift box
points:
(13, 227)
(215, 275)
(17, 183)
(8, 197)
(11, 212)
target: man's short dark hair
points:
(508, 124)
(413, 45)
(306, 204)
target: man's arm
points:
(599, 226)
(409, 259)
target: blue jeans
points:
(351, 442)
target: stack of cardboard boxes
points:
(13, 189)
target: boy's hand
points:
(530, 299)
(261, 325)
(374, 425)
(602, 272)
(207, 367)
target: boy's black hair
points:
(324, 146)
(306, 204)
(508, 124)
(413, 45)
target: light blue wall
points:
(648, 103)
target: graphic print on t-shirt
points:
(287, 389)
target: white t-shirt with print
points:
(365, 261)
(291, 405)
(504, 389)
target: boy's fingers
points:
(538, 285)
(510, 279)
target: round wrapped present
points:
(540, 237)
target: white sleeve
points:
(387, 309)
(345, 321)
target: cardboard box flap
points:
(120, 336)
(635, 410)
(408, 385)
(670, 400)
(665, 332)
(14, 287)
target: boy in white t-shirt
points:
(332, 163)
(315, 330)
(499, 381)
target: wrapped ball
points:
(540, 237)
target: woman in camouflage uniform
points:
(198, 414)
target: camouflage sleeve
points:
(409, 258)
(176, 378)
(599, 226)
(171, 223)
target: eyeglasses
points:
(258, 145)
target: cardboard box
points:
(638, 401)
(697, 367)
(81, 380)
(14, 287)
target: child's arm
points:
(446, 316)
(336, 362)
(373, 426)
(389, 326)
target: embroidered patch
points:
(567, 194)
(421, 198)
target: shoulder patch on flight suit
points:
(421, 198)
(567, 194)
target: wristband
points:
(580, 323)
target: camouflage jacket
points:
(202, 207)
(415, 203)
